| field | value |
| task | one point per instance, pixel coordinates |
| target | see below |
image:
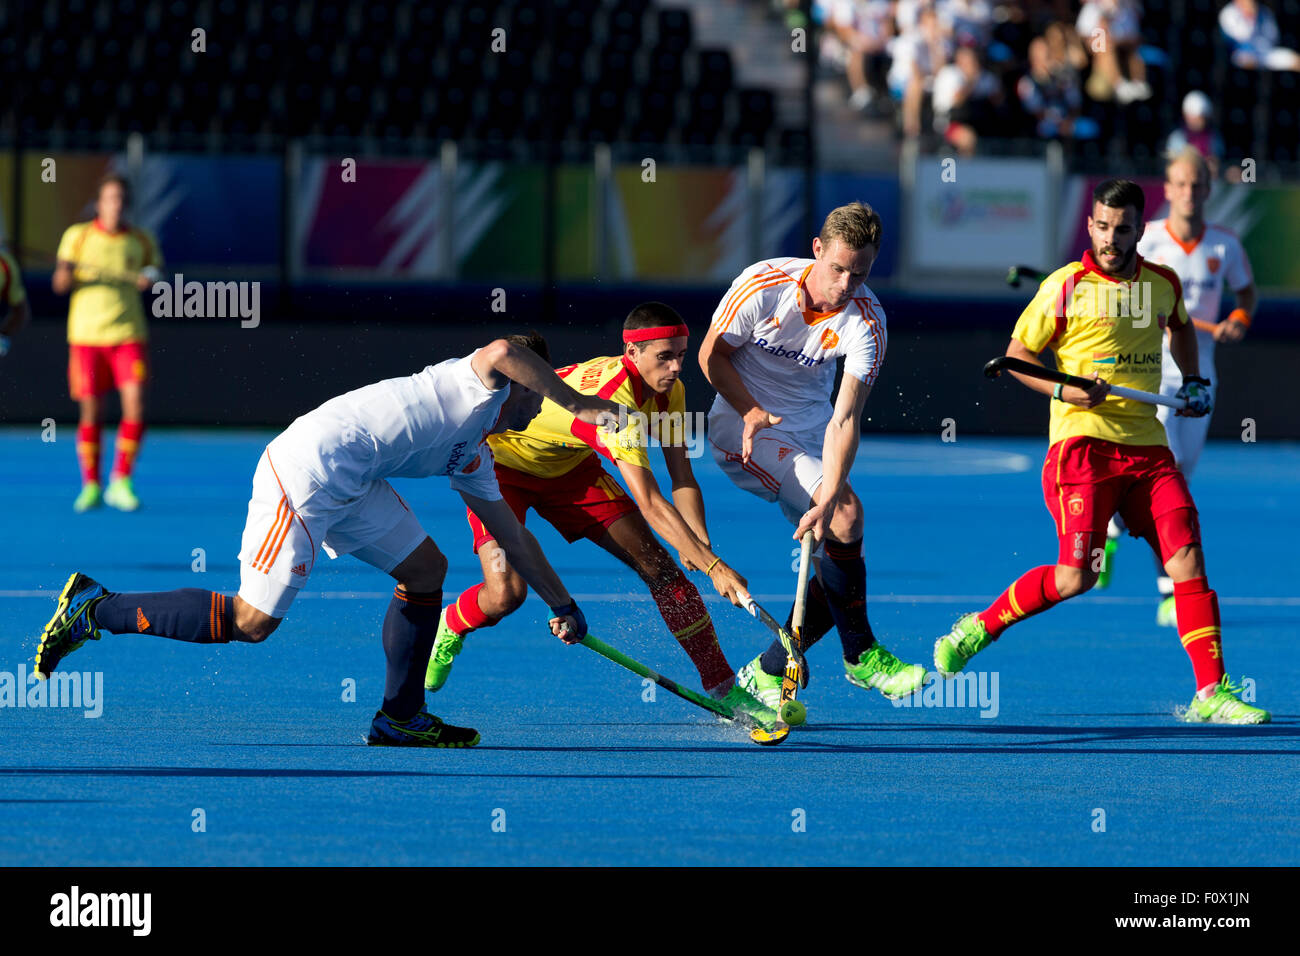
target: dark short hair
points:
(533, 341)
(1118, 193)
(120, 180)
(651, 315)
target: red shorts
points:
(1086, 480)
(579, 504)
(94, 370)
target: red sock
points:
(465, 615)
(88, 452)
(687, 618)
(1199, 628)
(129, 435)
(1032, 592)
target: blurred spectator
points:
(966, 100)
(969, 21)
(1198, 132)
(919, 54)
(1111, 31)
(1065, 50)
(856, 38)
(1252, 31)
(1053, 98)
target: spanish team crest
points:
(1075, 505)
(830, 339)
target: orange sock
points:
(88, 443)
(129, 436)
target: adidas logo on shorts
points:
(300, 570)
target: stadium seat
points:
(710, 69)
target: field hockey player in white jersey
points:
(322, 482)
(1205, 257)
(771, 353)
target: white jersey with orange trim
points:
(435, 422)
(1202, 266)
(785, 353)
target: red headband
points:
(658, 332)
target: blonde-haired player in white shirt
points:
(771, 352)
(1205, 257)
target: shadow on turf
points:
(268, 772)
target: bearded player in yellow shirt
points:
(554, 466)
(1107, 314)
(105, 264)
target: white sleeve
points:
(864, 359)
(738, 312)
(481, 481)
(1237, 273)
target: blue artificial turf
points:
(577, 766)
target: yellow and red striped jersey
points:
(1098, 325)
(106, 308)
(555, 442)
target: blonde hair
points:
(856, 225)
(1192, 156)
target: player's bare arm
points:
(668, 523)
(715, 361)
(687, 497)
(61, 281)
(525, 556)
(839, 449)
(1084, 398)
(1233, 328)
(500, 362)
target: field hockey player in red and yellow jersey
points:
(105, 264)
(554, 466)
(1106, 315)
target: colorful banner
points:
(978, 215)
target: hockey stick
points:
(792, 712)
(792, 648)
(1016, 273)
(773, 736)
(1004, 363)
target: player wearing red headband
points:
(554, 466)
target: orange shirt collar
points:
(809, 316)
(99, 227)
(1187, 247)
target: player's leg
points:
(1162, 509)
(130, 373)
(276, 541)
(501, 592)
(88, 378)
(1080, 493)
(630, 539)
(381, 530)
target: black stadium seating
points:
(587, 70)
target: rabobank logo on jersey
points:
(457, 453)
(795, 355)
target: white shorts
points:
(780, 469)
(290, 515)
(1187, 435)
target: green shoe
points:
(748, 709)
(1225, 707)
(759, 683)
(967, 638)
(1107, 563)
(445, 648)
(1166, 613)
(877, 669)
(121, 495)
(71, 626)
(90, 497)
